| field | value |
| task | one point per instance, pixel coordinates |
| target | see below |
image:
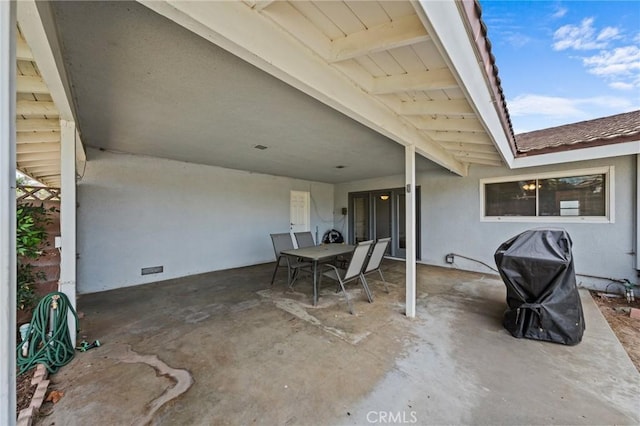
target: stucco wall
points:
(450, 216)
(137, 212)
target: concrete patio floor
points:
(226, 348)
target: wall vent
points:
(152, 270)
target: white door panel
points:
(300, 211)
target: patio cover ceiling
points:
(37, 121)
(320, 84)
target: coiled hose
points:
(49, 341)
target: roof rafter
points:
(466, 137)
(448, 107)
(401, 32)
(469, 147)
(424, 80)
(447, 124)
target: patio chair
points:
(304, 239)
(352, 272)
(375, 260)
(282, 242)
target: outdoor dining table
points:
(317, 254)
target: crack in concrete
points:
(182, 378)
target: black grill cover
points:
(542, 295)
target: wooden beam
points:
(447, 124)
(448, 107)
(478, 156)
(29, 108)
(398, 33)
(465, 137)
(38, 147)
(483, 162)
(469, 147)
(37, 125)
(38, 137)
(283, 56)
(424, 80)
(39, 169)
(38, 156)
(31, 84)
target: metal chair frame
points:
(353, 271)
(375, 260)
(282, 242)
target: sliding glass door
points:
(380, 214)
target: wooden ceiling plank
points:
(448, 124)
(23, 51)
(425, 80)
(31, 84)
(37, 125)
(366, 63)
(483, 162)
(38, 156)
(37, 137)
(466, 137)
(387, 63)
(407, 58)
(37, 147)
(35, 170)
(397, 9)
(28, 108)
(341, 16)
(290, 18)
(453, 107)
(370, 13)
(28, 68)
(478, 156)
(469, 147)
(401, 32)
(318, 19)
(260, 5)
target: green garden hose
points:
(49, 340)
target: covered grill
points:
(542, 296)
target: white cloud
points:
(619, 85)
(608, 33)
(518, 39)
(583, 37)
(621, 61)
(560, 12)
(562, 108)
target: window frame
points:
(609, 184)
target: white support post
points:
(410, 188)
(638, 212)
(8, 212)
(67, 282)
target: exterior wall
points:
(450, 220)
(137, 212)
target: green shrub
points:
(31, 221)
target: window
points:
(575, 196)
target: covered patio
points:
(227, 348)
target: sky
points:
(562, 62)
